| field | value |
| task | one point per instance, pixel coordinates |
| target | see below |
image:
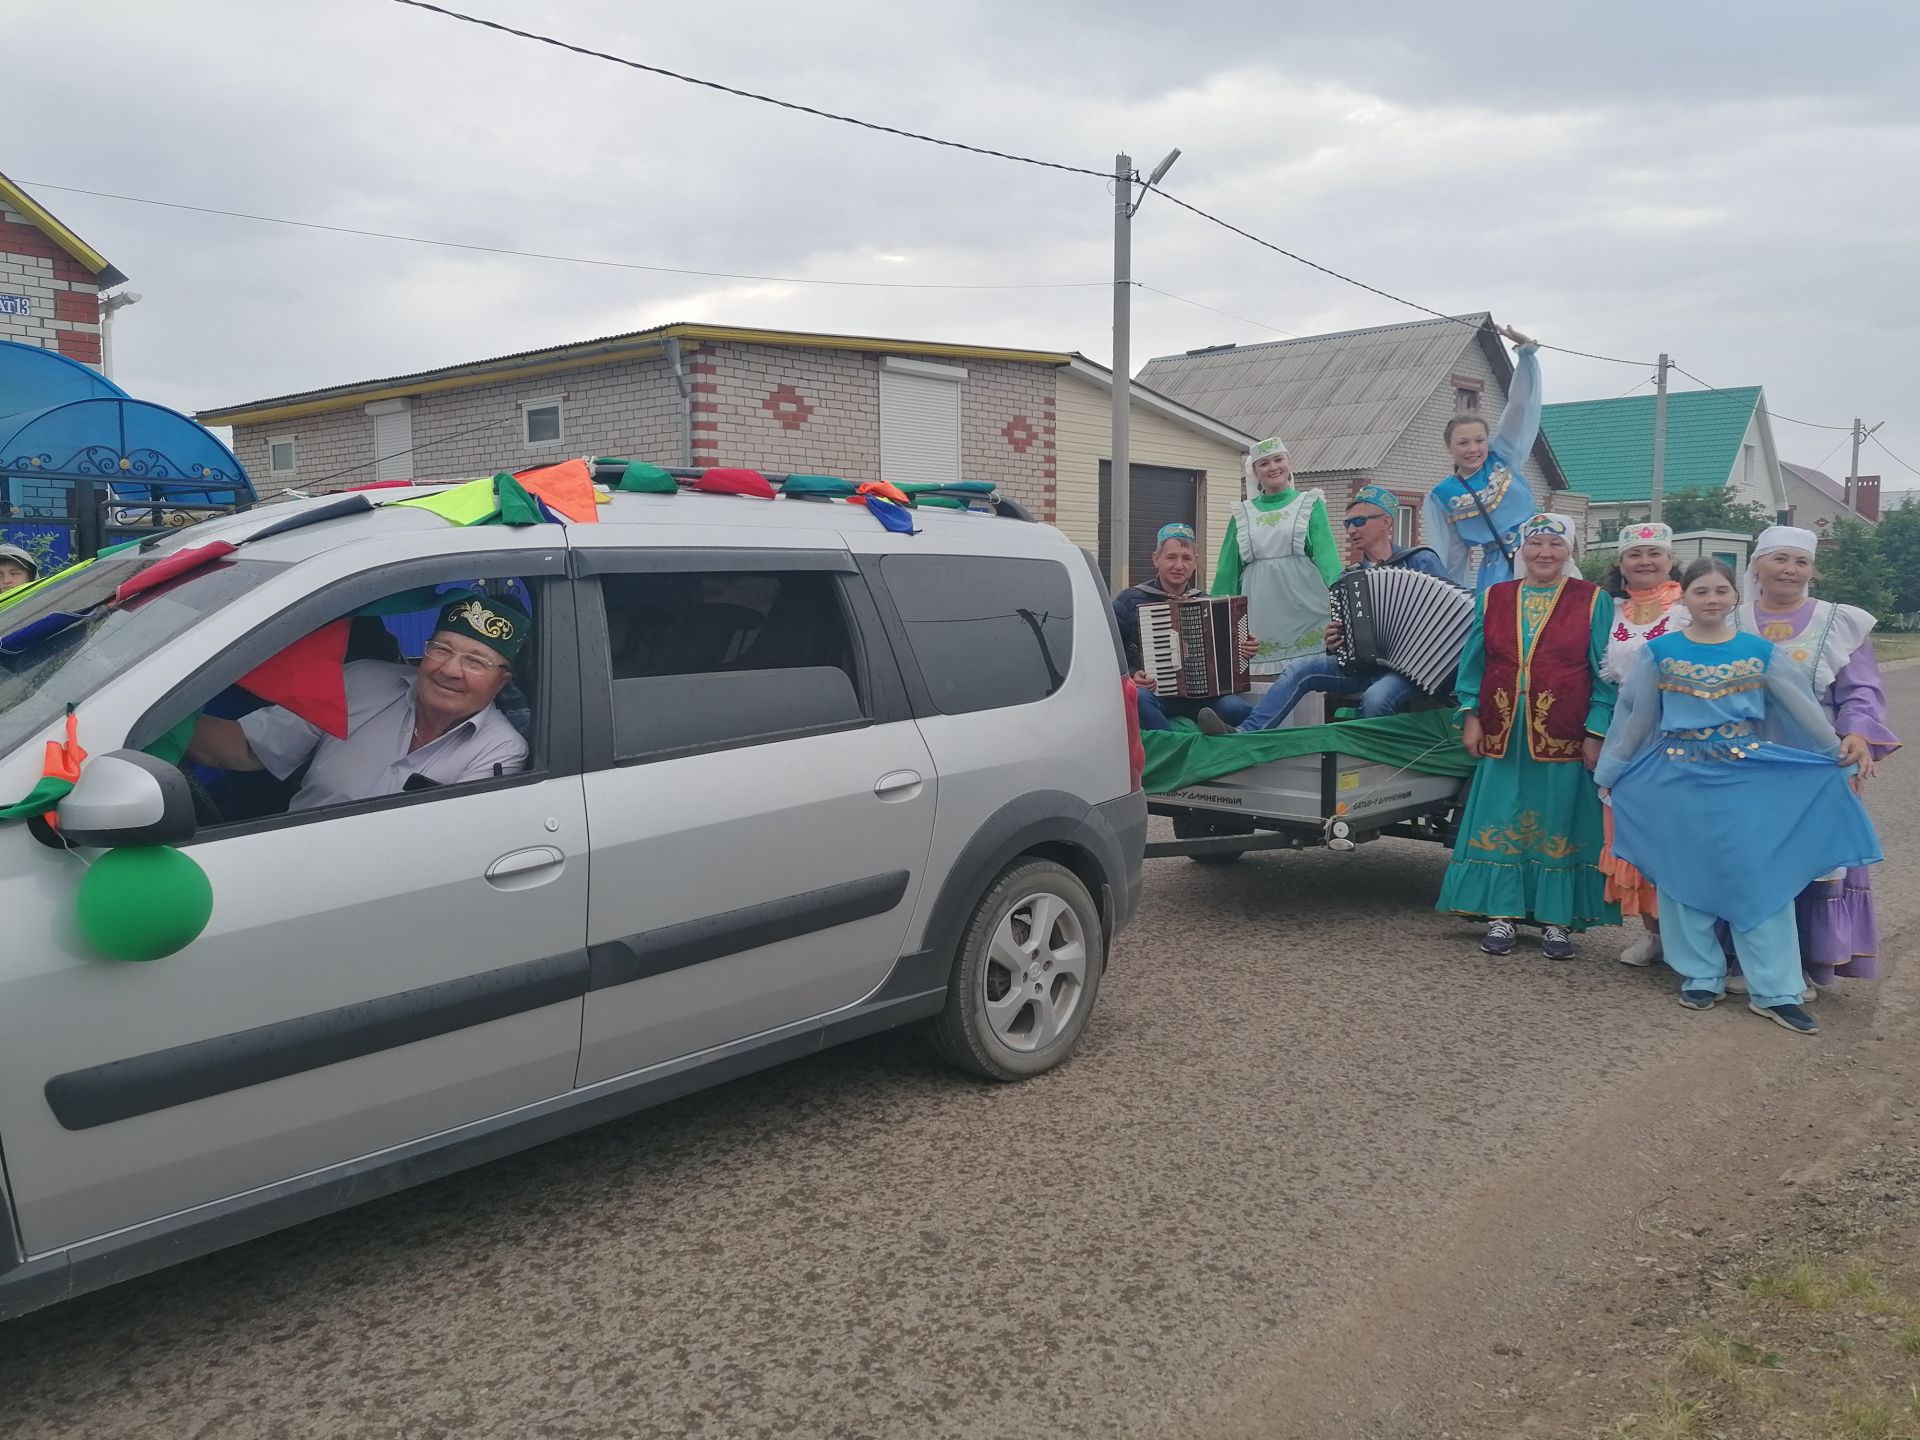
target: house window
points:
(919, 420)
(283, 456)
(1403, 525)
(542, 422)
(1466, 395)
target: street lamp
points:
(1119, 488)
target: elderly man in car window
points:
(408, 728)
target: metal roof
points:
(48, 224)
(630, 345)
(1606, 446)
(1342, 400)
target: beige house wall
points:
(1085, 439)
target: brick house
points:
(1364, 406)
(50, 280)
(691, 395)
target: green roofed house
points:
(1715, 438)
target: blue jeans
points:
(1154, 709)
(1386, 692)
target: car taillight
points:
(1136, 752)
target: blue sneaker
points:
(1499, 938)
(1555, 943)
(1791, 1017)
(1699, 999)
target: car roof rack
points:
(607, 472)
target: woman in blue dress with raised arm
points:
(1729, 793)
(1476, 512)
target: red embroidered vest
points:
(1558, 673)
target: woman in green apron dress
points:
(1280, 553)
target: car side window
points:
(987, 630)
(391, 699)
(706, 659)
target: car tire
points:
(1201, 830)
(1018, 999)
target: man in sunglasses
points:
(1369, 528)
(408, 727)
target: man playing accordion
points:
(1174, 565)
(1369, 527)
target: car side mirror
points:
(127, 798)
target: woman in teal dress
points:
(1730, 793)
(1535, 707)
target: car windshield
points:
(44, 669)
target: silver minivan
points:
(789, 779)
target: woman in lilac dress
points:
(1832, 645)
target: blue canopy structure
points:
(71, 439)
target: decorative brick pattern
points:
(1020, 434)
(788, 406)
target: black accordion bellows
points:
(1407, 621)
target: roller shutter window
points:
(393, 445)
(919, 420)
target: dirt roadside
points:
(1567, 1296)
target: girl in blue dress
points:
(1473, 516)
(1729, 794)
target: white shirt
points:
(374, 760)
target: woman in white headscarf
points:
(1280, 553)
(1832, 644)
(1534, 707)
(1645, 585)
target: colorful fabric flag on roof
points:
(175, 565)
(567, 489)
(467, 504)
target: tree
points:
(1899, 537)
(1596, 563)
(1711, 509)
(1852, 569)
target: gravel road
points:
(1303, 1086)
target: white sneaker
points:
(1736, 984)
(1643, 951)
(1810, 994)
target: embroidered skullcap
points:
(498, 624)
(1376, 495)
(1174, 530)
(1647, 532)
(1547, 524)
(1272, 445)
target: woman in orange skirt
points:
(1645, 585)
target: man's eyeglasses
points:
(1354, 522)
(442, 653)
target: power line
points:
(1773, 414)
(745, 94)
(1890, 455)
(410, 450)
(1348, 279)
(564, 259)
(1244, 319)
(1650, 380)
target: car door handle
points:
(898, 785)
(524, 868)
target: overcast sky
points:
(1735, 183)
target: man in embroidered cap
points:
(408, 727)
(1174, 564)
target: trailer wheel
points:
(1203, 830)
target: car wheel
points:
(1024, 982)
(1201, 830)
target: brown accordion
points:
(1191, 648)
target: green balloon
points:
(144, 902)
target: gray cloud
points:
(1730, 183)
